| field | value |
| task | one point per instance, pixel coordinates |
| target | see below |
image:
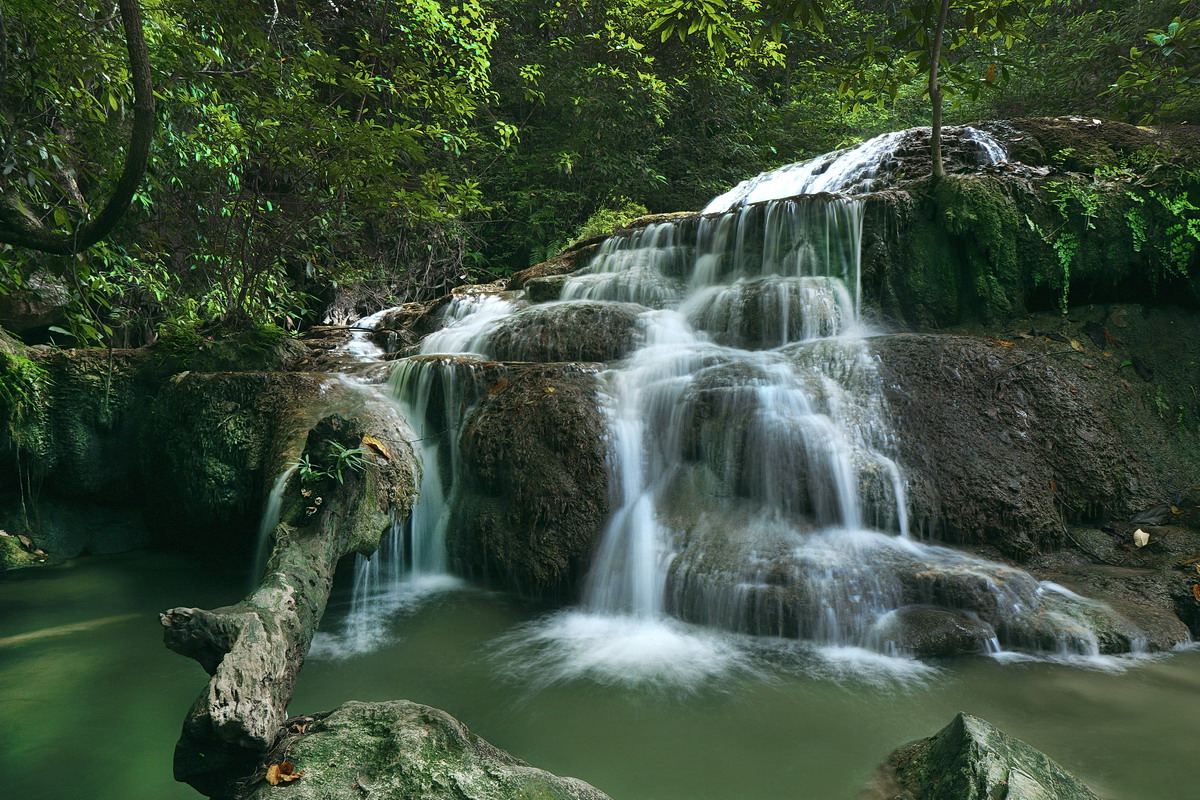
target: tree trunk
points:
(254, 650)
(20, 228)
(935, 93)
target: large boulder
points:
(535, 491)
(971, 759)
(401, 749)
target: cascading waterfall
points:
(753, 483)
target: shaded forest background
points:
(319, 159)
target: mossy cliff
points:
(106, 449)
(1087, 211)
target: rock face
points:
(254, 650)
(1005, 438)
(970, 759)
(536, 492)
(404, 750)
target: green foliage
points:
(608, 218)
(339, 461)
(24, 387)
(1161, 81)
(1182, 234)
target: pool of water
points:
(94, 709)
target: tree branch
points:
(21, 228)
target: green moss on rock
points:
(971, 759)
(400, 749)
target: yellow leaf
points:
(1075, 345)
(378, 447)
(284, 772)
(1001, 342)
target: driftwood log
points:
(254, 650)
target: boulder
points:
(970, 759)
(400, 749)
(573, 331)
(535, 492)
(42, 301)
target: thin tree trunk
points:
(19, 227)
(935, 93)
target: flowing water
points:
(752, 478)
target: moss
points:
(402, 749)
(252, 348)
(24, 388)
(13, 556)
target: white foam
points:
(655, 653)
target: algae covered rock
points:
(536, 491)
(573, 331)
(971, 759)
(401, 749)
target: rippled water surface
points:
(94, 710)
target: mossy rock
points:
(13, 556)
(572, 331)
(536, 484)
(400, 749)
(971, 759)
(1084, 144)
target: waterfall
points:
(753, 482)
(266, 526)
(851, 171)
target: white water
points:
(268, 523)
(852, 171)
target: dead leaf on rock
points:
(1140, 538)
(1196, 591)
(1001, 342)
(378, 446)
(283, 772)
(1075, 345)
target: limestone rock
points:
(400, 749)
(936, 632)
(970, 759)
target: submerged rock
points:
(971, 759)
(400, 749)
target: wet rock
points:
(935, 632)
(970, 759)
(575, 331)
(544, 290)
(400, 749)
(536, 484)
(67, 529)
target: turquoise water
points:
(94, 712)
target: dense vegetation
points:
(314, 158)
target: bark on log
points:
(254, 650)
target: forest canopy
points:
(316, 159)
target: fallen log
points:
(255, 649)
